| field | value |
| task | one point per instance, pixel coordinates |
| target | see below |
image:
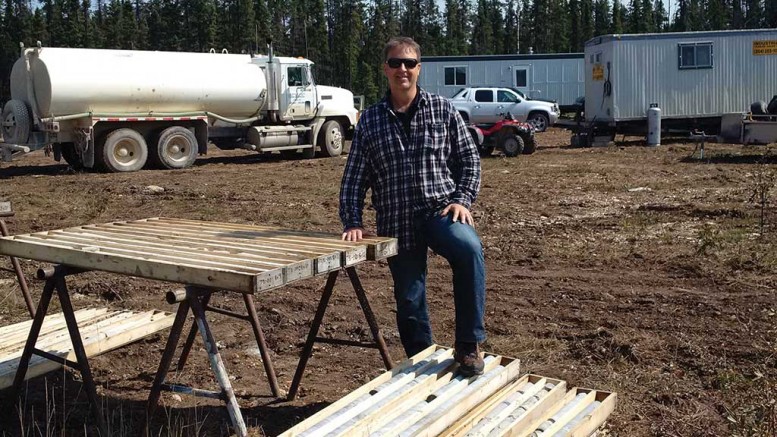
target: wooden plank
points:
(588, 424)
(214, 252)
(89, 245)
(572, 403)
(60, 339)
(364, 389)
(382, 413)
(250, 232)
(154, 321)
(446, 389)
(466, 422)
(173, 272)
(378, 247)
(271, 234)
(351, 254)
(25, 325)
(353, 417)
(323, 260)
(292, 270)
(444, 416)
(534, 414)
(58, 325)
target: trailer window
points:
(455, 75)
(484, 96)
(695, 55)
(521, 78)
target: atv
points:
(508, 135)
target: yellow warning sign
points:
(765, 47)
(598, 72)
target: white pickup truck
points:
(489, 105)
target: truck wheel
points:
(512, 145)
(529, 144)
(72, 157)
(330, 139)
(176, 148)
(123, 150)
(539, 120)
(16, 122)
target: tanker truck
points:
(119, 110)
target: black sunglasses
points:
(410, 63)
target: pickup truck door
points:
(300, 93)
(484, 108)
(510, 102)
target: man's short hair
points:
(398, 41)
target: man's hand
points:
(460, 213)
(354, 234)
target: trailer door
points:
(522, 79)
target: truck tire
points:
(330, 139)
(539, 120)
(71, 156)
(176, 148)
(122, 150)
(16, 122)
(529, 144)
(512, 145)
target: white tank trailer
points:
(118, 110)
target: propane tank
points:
(654, 125)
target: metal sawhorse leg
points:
(55, 280)
(313, 337)
(7, 211)
(196, 299)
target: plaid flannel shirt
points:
(410, 177)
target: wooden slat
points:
(441, 403)
(98, 338)
(278, 234)
(228, 256)
(365, 389)
(350, 254)
(324, 260)
(136, 266)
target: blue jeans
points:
(460, 245)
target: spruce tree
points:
(602, 18)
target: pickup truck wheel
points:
(540, 121)
(176, 148)
(122, 150)
(529, 144)
(16, 122)
(330, 139)
(512, 145)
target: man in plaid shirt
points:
(413, 150)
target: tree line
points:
(345, 37)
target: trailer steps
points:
(425, 396)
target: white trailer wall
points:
(558, 77)
(645, 69)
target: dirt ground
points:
(624, 268)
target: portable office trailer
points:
(557, 77)
(694, 77)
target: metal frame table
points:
(207, 257)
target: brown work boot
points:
(469, 359)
